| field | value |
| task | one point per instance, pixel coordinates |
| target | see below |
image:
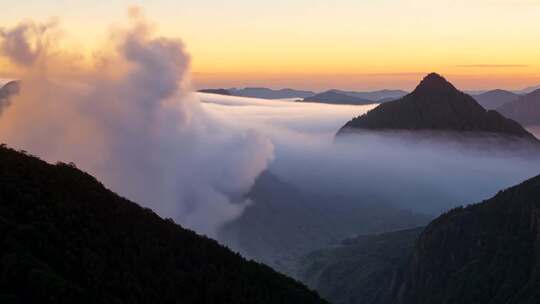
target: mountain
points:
(484, 253)
(9, 89)
(528, 90)
(359, 270)
(331, 96)
(335, 97)
(284, 223)
(266, 93)
(216, 91)
(65, 238)
(436, 105)
(525, 110)
(491, 100)
(387, 99)
(355, 98)
(378, 96)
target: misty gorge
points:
(127, 175)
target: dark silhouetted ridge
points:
(360, 270)
(484, 253)
(65, 238)
(436, 105)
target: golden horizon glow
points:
(321, 44)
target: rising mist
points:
(128, 116)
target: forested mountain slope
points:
(65, 238)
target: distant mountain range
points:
(270, 93)
(65, 238)
(525, 109)
(378, 96)
(284, 223)
(492, 100)
(331, 96)
(336, 97)
(484, 253)
(355, 98)
(436, 105)
(216, 91)
(264, 93)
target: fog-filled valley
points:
(402, 164)
(362, 202)
(362, 183)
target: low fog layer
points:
(424, 176)
(129, 116)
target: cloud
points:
(401, 169)
(24, 43)
(129, 117)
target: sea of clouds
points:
(129, 116)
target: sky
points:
(320, 44)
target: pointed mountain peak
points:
(434, 83)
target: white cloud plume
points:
(129, 117)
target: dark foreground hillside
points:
(64, 238)
(485, 253)
(360, 270)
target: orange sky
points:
(319, 44)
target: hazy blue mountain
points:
(528, 90)
(387, 99)
(335, 97)
(478, 92)
(525, 109)
(356, 98)
(344, 97)
(216, 91)
(283, 223)
(492, 100)
(379, 96)
(436, 105)
(65, 238)
(266, 93)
